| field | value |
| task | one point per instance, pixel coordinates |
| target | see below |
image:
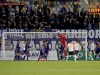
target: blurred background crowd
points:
(48, 14)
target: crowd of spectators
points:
(40, 17)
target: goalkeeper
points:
(63, 40)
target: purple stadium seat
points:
(31, 2)
(51, 5)
(78, 0)
(62, 2)
(36, 2)
(78, 6)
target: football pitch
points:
(49, 68)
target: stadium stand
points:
(41, 14)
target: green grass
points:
(49, 68)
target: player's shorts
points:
(17, 51)
(76, 52)
(92, 51)
(46, 51)
(61, 52)
(71, 53)
(97, 51)
(41, 53)
(25, 51)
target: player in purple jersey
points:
(17, 51)
(42, 51)
(27, 48)
(97, 52)
(46, 50)
(61, 50)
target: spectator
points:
(9, 24)
(77, 25)
(64, 23)
(33, 26)
(71, 24)
(12, 13)
(60, 17)
(63, 10)
(80, 19)
(41, 26)
(1, 27)
(52, 24)
(67, 23)
(83, 13)
(4, 15)
(84, 25)
(96, 22)
(58, 25)
(40, 17)
(49, 27)
(4, 24)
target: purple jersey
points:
(41, 51)
(43, 46)
(98, 45)
(27, 46)
(17, 48)
(47, 48)
(61, 47)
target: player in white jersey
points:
(92, 47)
(77, 48)
(71, 50)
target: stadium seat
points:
(39, 0)
(49, 3)
(36, 2)
(27, 2)
(62, 2)
(12, 0)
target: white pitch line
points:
(53, 71)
